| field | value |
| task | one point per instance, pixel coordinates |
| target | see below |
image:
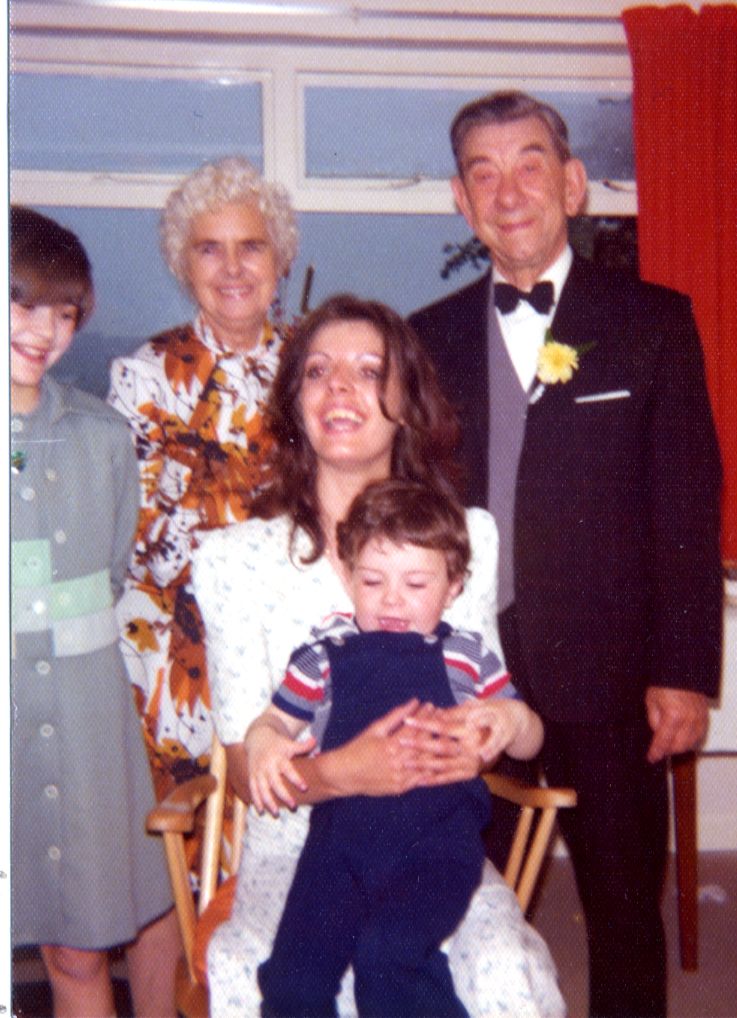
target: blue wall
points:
(393, 258)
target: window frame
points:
(402, 43)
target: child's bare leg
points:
(152, 960)
(80, 982)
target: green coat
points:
(84, 872)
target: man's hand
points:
(679, 720)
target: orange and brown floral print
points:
(141, 634)
(197, 416)
(186, 359)
(188, 677)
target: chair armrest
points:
(536, 796)
(531, 838)
(176, 812)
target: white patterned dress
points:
(196, 412)
(258, 605)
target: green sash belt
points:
(79, 611)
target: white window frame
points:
(549, 45)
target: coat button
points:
(60, 537)
(51, 474)
(28, 494)
(51, 792)
(38, 607)
(43, 667)
(46, 731)
(16, 425)
(54, 853)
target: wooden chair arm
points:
(536, 796)
(531, 839)
(173, 818)
(176, 812)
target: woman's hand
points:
(485, 728)
(389, 758)
(412, 746)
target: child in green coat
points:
(86, 876)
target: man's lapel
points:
(583, 319)
(578, 315)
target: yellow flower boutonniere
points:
(556, 361)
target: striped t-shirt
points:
(474, 671)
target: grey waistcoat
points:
(507, 418)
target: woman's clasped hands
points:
(413, 745)
(482, 730)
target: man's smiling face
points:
(517, 194)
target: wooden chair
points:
(174, 818)
(198, 915)
(538, 808)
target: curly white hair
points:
(207, 189)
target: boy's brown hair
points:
(48, 264)
(406, 512)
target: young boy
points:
(381, 882)
(85, 875)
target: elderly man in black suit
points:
(588, 433)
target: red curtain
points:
(684, 94)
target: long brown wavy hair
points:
(425, 439)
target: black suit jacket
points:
(616, 548)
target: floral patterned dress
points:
(197, 415)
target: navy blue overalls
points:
(381, 881)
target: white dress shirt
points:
(524, 328)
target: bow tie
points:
(507, 297)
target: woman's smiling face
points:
(339, 398)
(231, 270)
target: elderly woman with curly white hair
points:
(194, 396)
